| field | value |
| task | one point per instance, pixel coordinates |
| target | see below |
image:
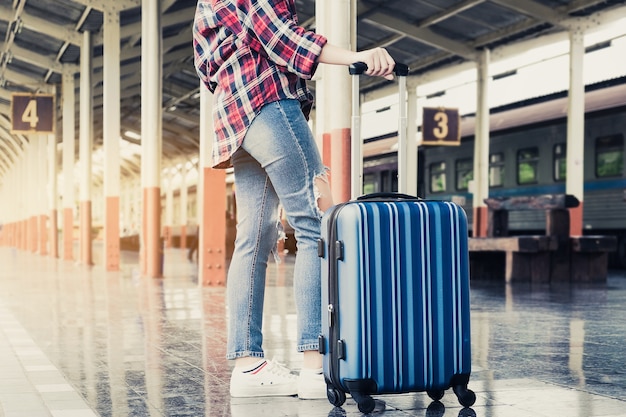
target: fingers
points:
(380, 63)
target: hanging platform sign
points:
(32, 113)
(441, 126)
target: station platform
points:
(76, 341)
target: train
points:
(527, 156)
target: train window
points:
(610, 156)
(496, 170)
(560, 162)
(527, 163)
(464, 173)
(438, 177)
(371, 183)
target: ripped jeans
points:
(278, 163)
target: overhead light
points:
(172, 108)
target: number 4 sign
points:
(32, 113)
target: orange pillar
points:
(479, 223)
(43, 235)
(54, 230)
(112, 233)
(183, 236)
(86, 149)
(110, 134)
(576, 220)
(69, 156)
(86, 252)
(151, 138)
(53, 197)
(152, 232)
(212, 211)
(212, 249)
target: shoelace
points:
(279, 369)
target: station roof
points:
(41, 39)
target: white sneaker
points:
(311, 384)
(263, 379)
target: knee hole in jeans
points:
(323, 196)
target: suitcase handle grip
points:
(385, 195)
(401, 70)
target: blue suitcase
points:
(395, 299)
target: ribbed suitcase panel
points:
(403, 292)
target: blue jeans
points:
(278, 163)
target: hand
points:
(379, 62)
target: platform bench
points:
(589, 260)
(534, 258)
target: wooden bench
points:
(535, 258)
(551, 257)
(589, 257)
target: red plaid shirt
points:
(249, 53)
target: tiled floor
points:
(80, 342)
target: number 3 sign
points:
(441, 126)
(32, 113)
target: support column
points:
(32, 175)
(53, 196)
(86, 150)
(69, 145)
(184, 202)
(411, 140)
(322, 134)
(169, 208)
(575, 180)
(151, 137)
(211, 210)
(111, 139)
(42, 204)
(339, 104)
(481, 148)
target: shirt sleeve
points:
(270, 27)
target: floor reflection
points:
(132, 346)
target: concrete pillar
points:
(86, 150)
(339, 104)
(169, 207)
(322, 134)
(42, 185)
(111, 139)
(184, 202)
(481, 147)
(211, 210)
(411, 140)
(53, 192)
(32, 202)
(574, 183)
(68, 164)
(151, 137)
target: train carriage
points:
(527, 156)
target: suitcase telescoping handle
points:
(356, 183)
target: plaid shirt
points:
(249, 53)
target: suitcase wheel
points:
(365, 402)
(335, 397)
(466, 397)
(435, 395)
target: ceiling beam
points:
(104, 5)
(537, 11)
(423, 35)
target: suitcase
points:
(395, 299)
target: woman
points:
(255, 59)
